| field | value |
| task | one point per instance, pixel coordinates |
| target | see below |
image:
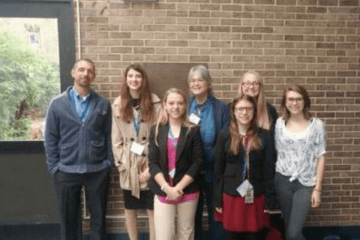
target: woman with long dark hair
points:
(134, 112)
(244, 171)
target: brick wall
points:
(314, 43)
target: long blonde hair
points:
(262, 116)
(164, 116)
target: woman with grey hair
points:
(211, 115)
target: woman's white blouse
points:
(297, 153)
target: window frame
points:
(63, 11)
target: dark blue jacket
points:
(74, 146)
(189, 159)
(228, 174)
(221, 117)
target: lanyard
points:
(136, 121)
(173, 140)
(199, 108)
(246, 170)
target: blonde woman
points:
(251, 84)
(134, 112)
(175, 161)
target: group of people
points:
(176, 154)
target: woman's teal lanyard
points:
(246, 170)
(199, 108)
(136, 121)
(173, 140)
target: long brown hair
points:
(146, 106)
(262, 116)
(164, 117)
(252, 132)
(306, 98)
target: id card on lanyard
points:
(136, 121)
(137, 148)
(195, 116)
(172, 138)
(174, 143)
(246, 189)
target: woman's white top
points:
(297, 153)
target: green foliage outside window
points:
(27, 80)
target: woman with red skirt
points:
(244, 172)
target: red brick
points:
(328, 2)
(177, 43)
(285, 2)
(199, 28)
(312, 43)
(316, 10)
(307, 2)
(177, 13)
(349, 2)
(230, 22)
(219, 29)
(199, 58)
(275, 23)
(241, 29)
(199, 14)
(305, 16)
(252, 37)
(264, 1)
(292, 23)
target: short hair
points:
(203, 73)
(305, 95)
(83, 60)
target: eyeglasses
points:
(293, 100)
(242, 109)
(197, 80)
(254, 84)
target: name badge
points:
(137, 148)
(172, 173)
(243, 188)
(194, 118)
(249, 197)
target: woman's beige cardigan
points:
(129, 164)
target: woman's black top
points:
(189, 158)
(228, 174)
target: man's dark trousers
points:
(67, 187)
